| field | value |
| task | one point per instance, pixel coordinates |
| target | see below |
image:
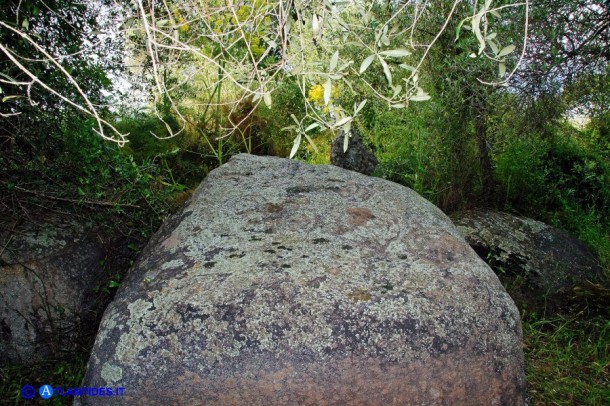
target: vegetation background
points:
(517, 148)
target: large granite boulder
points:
(49, 273)
(538, 264)
(282, 283)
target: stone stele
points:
(282, 283)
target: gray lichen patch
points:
(112, 374)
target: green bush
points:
(421, 148)
(184, 159)
(577, 176)
(520, 173)
(561, 181)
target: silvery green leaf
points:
(327, 91)
(347, 128)
(395, 53)
(502, 70)
(398, 105)
(360, 106)
(313, 145)
(366, 18)
(506, 50)
(315, 25)
(312, 126)
(346, 141)
(422, 97)
(397, 90)
(476, 21)
(386, 70)
(295, 146)
(366, 63)
(267, 99)
(345, 66)
(288, 26)
(344, 120)
(295, 120)
(407, 67)
(333, 61)
(495, 13)
(491, 36)
(493, 46)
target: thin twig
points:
(90, 202)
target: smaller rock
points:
(358, 157)
(49, 275)
(538, 264)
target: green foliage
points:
(541, 174)
(183, 160)
(577, 176)
(559, 180)
(567, 360)
(520, 173)
(427, 149)
(597, 134)
(62, 372)
(401, 145)
(287, 100)
(567, 40)
(76, 171)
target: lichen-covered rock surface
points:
(539, 264)
(282, 283)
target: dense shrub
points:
(561, 181)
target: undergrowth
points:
(66, 372)
(568, 360)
